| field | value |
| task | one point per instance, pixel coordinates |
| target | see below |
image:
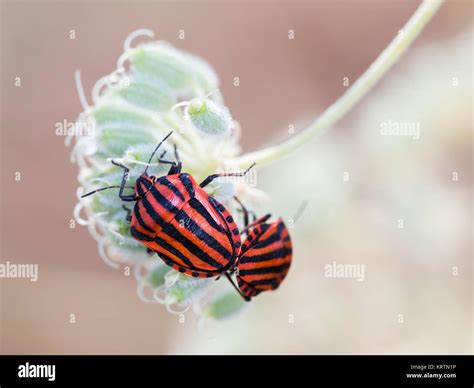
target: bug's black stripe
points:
(242, 285)
(184, 178)
(194, 228)
(247, 288)
(217, 206)
(220, 208)
(276, 254)
(143, 186)
(196, 205)
(265, 270)
(165, 245)
(160, 198)
(167, 228)
(250, 243)
(280, 227)
(152, 213)
(173, 188)
(172, 232)
(264, 226)
(267, 241)
(139, 218)
(274, 282)
(139, 236)
(169, 261)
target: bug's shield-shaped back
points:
(265, 259)
(189, 230)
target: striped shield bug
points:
(265, 256)
(176, 218)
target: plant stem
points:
(359, 89)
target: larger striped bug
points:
(176, 218)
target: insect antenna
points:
(105, 188)
(300, 210)
(156, 149)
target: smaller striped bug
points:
(173, 216)
(265, 256)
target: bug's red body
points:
(265, 258)
(190, 230)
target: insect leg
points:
(129, 213)
(175, 168)
(246, 212)
(164, 161)
(178, 159)
(256, 222)
(210, 178)
(246, 298)
(126, 171)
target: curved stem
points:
(359, 89)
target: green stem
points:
(359, 89)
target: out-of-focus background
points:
(400, 205)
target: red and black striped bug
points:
(265, 256)
(173, 216)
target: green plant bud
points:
(224, 305)
(209, 117)
(156, 276)
(186, 288)
(182, 72)
(145, 92)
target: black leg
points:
(176, 156)
(128, 217)
(126, 171)
(210, 178)
(164, 161)
(246, 298)
(156, 149)
(246, 212)
(256, 222)
(121, 187)
(176, 167)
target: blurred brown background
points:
(281, 82)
